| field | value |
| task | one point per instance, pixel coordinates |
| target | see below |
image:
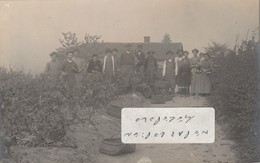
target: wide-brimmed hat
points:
(195, 50)
(150, 52)
(186, 52)
(169, 52)
(53, 53)
(108, 51)
(115, 50)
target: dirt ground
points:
(86, 138)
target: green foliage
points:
(234, 82)
(43, 109)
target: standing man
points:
(140, 60)
(109, 66)
(150, 68)
(69, 69)
(81, 66)
(169, 72)
(52, 70)
(127, 62)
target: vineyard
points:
(39, 112)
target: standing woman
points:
(194, 64)
(109, 66)
(95, 68)
(184, 75)
(69, 69)
(169, 72)
(150, 68)
(206, 66)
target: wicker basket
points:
(114, 146)
(114, 110)
(147, 92)
(158, 99)
(168, 97)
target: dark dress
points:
(140, 62)
(184, 73)
(95, 70)
(127, 63)
(170, 74)
(150, 68)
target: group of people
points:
(188, 75)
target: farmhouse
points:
(99, 48)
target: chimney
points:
(146, 39)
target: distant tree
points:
(166, 38)
(215, 49)
(92, 39)
(69, 40)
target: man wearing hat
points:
(194, 64)
(150, 68)
(140, 59)
(109, 66)
(127, 62)
(169, 72)
(52, 68)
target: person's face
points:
(139, 49)
(180, 54)
(76, 54)
(186, 54)
(109, 54)
(128, 49)
(94, 58)
(53, 58)
(70, 56)
(206, 57)
(114, 52)
(195, 53)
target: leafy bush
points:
(234, 82)
(38, 111)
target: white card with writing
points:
(168, 125)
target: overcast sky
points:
(30, 30)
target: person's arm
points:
(89, 69)
(75, 68)
(100, 66)
(62, 68)
(47, 68)
(156, 64)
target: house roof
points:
(159, 48)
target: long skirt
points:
(194, 82)
(202, 83)
(171, 81)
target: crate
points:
(157, 99)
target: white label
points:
(168, 125)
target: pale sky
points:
(30, 30)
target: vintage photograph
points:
(68, 68)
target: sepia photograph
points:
(129, 81)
